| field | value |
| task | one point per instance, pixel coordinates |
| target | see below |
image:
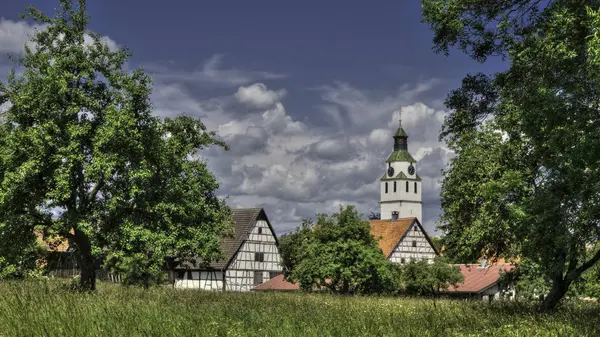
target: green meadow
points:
(47, 309)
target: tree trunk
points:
(346, 287)
(87, 280)
(557, 292)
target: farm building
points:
(403, 240)
(251, 257)
(483, 282)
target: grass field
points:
(44, 309)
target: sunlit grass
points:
(45, 309)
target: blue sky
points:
(307, 93)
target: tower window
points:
(407, 186)
(415, 187)
(394, 187)
(386, 187)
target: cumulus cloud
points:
(14, 35)
(258, 96)
(293, 167)
(296, 170)
(210, 73)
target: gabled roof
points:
(400, 175)
(278, 283)
(388, 233)
(244, 220)
(477, 279)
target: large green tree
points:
(338, 253)
(79, 138)
(526, 177)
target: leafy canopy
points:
(337, 253)
(526, 177)
(79, 138)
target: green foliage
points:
(526, 177)
(338, 253)
(423, 278)
(43, 309)
(80, 137)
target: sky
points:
(307, 94)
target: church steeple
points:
(400, 146)
(400, 138)
(400, 184)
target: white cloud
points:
(258, 96)
(292, 168)
(210, 73)
(295, 170)
(15, 34)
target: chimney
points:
(394, 217)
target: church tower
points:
(400, 184)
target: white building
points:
(251, 257)
(402, 238)
(400, 184)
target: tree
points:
(79, 138)
(423, 278)
(338, 253)
(526, 175)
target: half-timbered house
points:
(251, 257)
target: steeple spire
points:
(400, 137)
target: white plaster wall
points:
(201, 280)
(406, 209)
(405, 250)
(400, 193)
(240, 274)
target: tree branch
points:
(588, 264)
(96, 189)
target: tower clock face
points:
(390, 171)
(411, 170)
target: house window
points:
(394, 187)
(258, 277)
(407, 186)
(414, 243)
(273, 274)
(415, 187)
(260, 257)
(403, 260)
(416, 229)
(386, 188)
(189, 275)
(259, 230)
(180, 274)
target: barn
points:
(251, 257)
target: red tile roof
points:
(390, 233)
(475, 279)
(479, 279)
(278, 283)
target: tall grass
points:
(45, 309)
